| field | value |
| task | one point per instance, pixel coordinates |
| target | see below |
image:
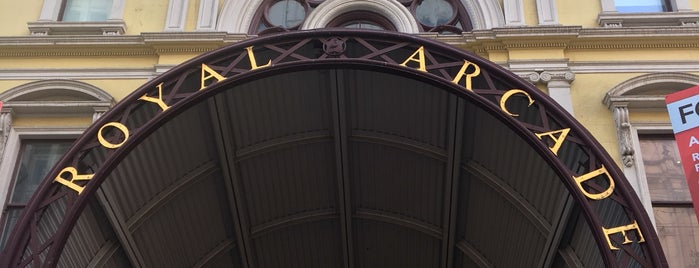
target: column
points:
(558, 84)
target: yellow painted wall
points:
(632, 54)
(9, 84)
(587, 92)
(118, 88)
(536, 53)
(531, 17)
(145, 16)
(653, 117)
(694, 4)
(192, 14)
(149, 16)
(57, 122)
(14, 16)
(578, 13)
(78, 62)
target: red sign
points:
(683, 107)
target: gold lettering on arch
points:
(253, 61)
(508, 94)
(159, 100)
(591, 175)
(623, 230)
(557, 141)
(74, 177)
(205, 69)
(420, 53)
(469, 76)
(118, 126)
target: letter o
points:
(117, 125)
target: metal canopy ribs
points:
(335, 148)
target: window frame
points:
(71, 99)
(49, 21)
(667, 6)
(679, 13)
(12, 156)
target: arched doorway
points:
(336, 149)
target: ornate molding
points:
(617, 20)
(5, 125)
(393, 10)
(623, 130)
(40, 28)
(497, 39)
(547, 76)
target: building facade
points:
(607, 63)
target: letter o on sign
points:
(118, 126)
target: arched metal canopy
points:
(336, 148)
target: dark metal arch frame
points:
(25, 247)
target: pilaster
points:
(176, 15)
(554, 74)
(5, 125)
(547, 11)
(514, 13)
(208, 15)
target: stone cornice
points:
(481, 41)
(115, 45)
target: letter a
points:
(212, 74)
(693, 141)
(558, 141)
(420, 52)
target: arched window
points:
(362, 20)
(28, 139)
(426, 15)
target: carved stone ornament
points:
(548, 76)
(334, 46)
(623, 127)
(5, 123)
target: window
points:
(634, 13)
(36, 159)
(650, 160)
(80, 17)
(362, 20)
(86, 10)
(676, 222)
(410, 16)
(30, 140)
(641, 5)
